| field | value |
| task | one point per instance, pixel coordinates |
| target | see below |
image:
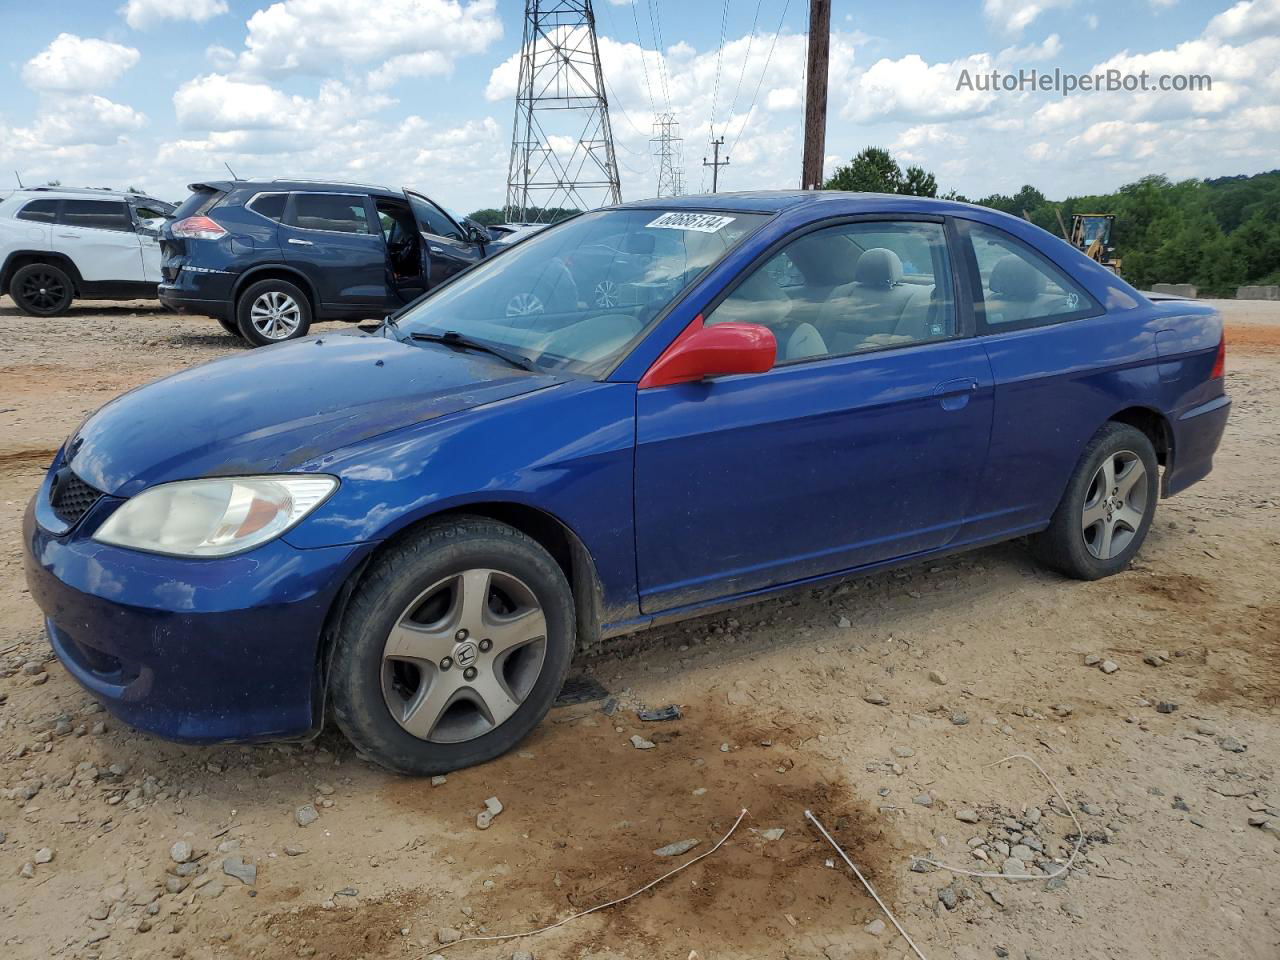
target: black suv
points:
(267, 257)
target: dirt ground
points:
(876, 703)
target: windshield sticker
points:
(699, 222)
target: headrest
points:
(878, 267)
(1015, 279)
(822, 260)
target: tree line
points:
(1216, 234)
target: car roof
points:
(56, 192)
(297, 186)
(777, 201)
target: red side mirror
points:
(723, 348)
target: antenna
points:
(229, 170)
(562, 142)
(19, 178)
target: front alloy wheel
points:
(463, 656)
(453, 646)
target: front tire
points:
(1107, 508)
(41, 290)
(272, 311)
(453, 647)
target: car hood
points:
(277, 407)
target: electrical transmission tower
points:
(562, 144)
(666, 145)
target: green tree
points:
(487, 216)
(918, 182)
(872, 171)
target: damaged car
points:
(412, 530)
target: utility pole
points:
(815, 97)
(562, 155)
(716, 163)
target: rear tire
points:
(41, 290)
(272, 311)
(453, 648)
(1107, 508)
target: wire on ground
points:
(603, 906)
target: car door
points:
(148, 218)
(446, 247)
(859, 446)
(336, 242)
(99, 237)
(1062, 365)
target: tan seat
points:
(873, 304)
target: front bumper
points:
(196, 650)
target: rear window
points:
(42, 211)
(96, 215)
(199, 203)
(269, 205)
(333, 212)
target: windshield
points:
(576, 297)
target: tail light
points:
(198, 228)
(1220, 362)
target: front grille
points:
(71, 497)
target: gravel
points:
(306, 815)
(677, 848)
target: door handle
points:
(301, 243)
(69, 236)
(954, 394)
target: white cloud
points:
(912, 89)
(323, 36)
(1014, 16)
(1049, 48)
(144, 14)
(1246, 20)
(81, 120)
(72, 64)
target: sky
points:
(156, 94)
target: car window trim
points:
(974, 281)
(460, 238)
(963, 305)
(248, 205)
(62, 204)
(291, 206)
(57, 208)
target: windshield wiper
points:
(452, 338)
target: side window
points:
(851, 288)
(1020, 287)
(335, 212)
(96, 215)
(41, 211)
(434, 220)
(269, 205)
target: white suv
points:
(58, 244)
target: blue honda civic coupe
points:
(638, 415)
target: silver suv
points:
(60, 244)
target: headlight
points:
(213, 518)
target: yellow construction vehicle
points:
(1091, 233)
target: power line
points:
(743, 72)
(655, 24)
(715, 93)
(760, 82)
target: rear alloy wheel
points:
(1107, 508)
(453, 647)
(41, 290)
(272, 311)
